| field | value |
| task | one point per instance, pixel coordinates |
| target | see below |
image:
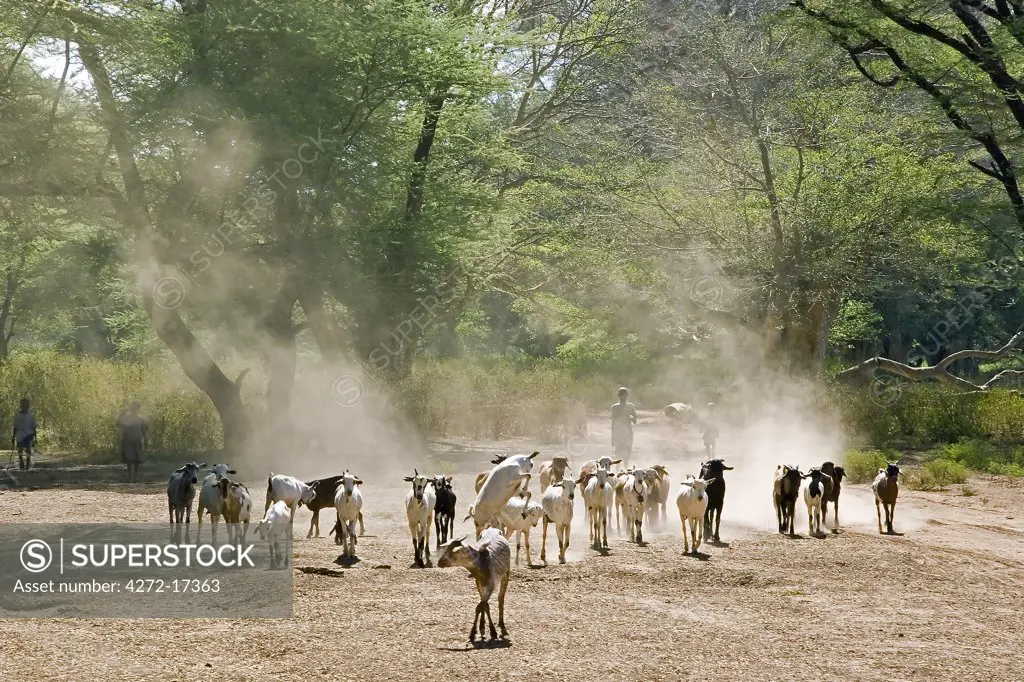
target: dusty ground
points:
(943, 601)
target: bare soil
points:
(942, 601)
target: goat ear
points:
(534, 454)
(709, 481)
(616, 461)
(727, 468)
(202, 465)
(448, 478)
(408, 479)
(359, 481)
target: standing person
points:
(24, 434)
(132, 427)
(710, 430)
(623, 419)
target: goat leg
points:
(544, 544)
(490, 621)
(501, 606)
(476, 618)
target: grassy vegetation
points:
(936, 475)
(76, 402)
(926, 415)
(862, 465)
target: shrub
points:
(1000, 414)
(975, 454)
(936, 474)
(862, 465)
(1006, 469)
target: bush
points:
(974, 453)
(1000, 415)
(862, 465)
(928, 414)
(936, 474)
(1006, 469)
(76, 401)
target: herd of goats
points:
(503, 506)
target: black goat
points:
(325, 489)
(785, 491)
(713, 469)
(833, 486)
(444, 509)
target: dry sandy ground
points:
(943, 601)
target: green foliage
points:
(981, 455)
(1006, 469)
(936, 475)
(925, 415)
(862, 465)
(857, 321)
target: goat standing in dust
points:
(489, 561)
(886, 488)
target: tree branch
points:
(940, 371)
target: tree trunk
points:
(390, 346)
(6, 316)
(311, 298)
(162, 295)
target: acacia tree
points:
(758, 174)
(964, 55)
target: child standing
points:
(24, 434)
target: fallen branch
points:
(940, 371)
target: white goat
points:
(659, 492)
(348, 503)
(288, 489)
(599, 497)
(634, 492)
(813, 492)
(210, 499)
(498, 488)
(553, 471)
(275, 527)
(237, 506)
(518, 516)
(557, 505)
(588, 469)
(419, 510)
(653, 498)
(692, 502)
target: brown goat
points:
(833, 486)
(886, 488)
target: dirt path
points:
(943, 601)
